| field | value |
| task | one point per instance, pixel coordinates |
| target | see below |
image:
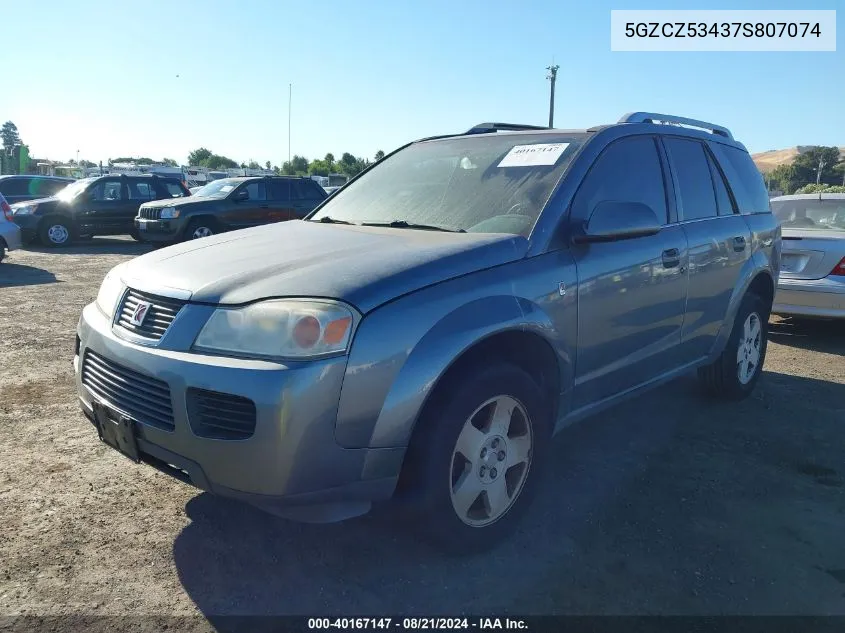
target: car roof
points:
(642, 122)
(811, 196)
(59, 178)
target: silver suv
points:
(429, 327)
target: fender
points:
(757, 264)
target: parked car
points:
(10, 234)
(228, 204)
(425, 332)
(812, 280)
(104, 205)
(23, 188)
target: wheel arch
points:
(758, 280)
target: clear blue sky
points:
(101, 77)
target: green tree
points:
(807, 164)
(267, 165)
(379, 155)
(9, 133)
(86, 163)
(822, 188)
(215, 161)
(783, 178)
(253, 165)
(318, 168)
(298, 165)
(198, 156)
(169, 162)
(329, 160)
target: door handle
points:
(671, 258)
(739, 243)
(264, 206)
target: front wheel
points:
(55, 232)
(477, 458)
(200, 228)
(735, 373)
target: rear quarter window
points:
(744, 179)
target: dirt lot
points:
(668, 505)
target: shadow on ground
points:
(620, 525)
(818, 335)
(21, 275)
(96, 246)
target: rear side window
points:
(15, 186)
(281, 189)
(105, 190)
(141, 190)
(723, 197)
(172, 189)
(744, 178)
(628, 170)
(51, 187)
(695, 185)
(313, 191)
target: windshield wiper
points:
(327, 220)
(404, 224)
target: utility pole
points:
(552, 77)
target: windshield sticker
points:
(227, 188)
(532, 155)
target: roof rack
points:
(486, 128)
(653, 117)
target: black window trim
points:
(717, 172)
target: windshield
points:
(217, 189)
(822, 215)
(74, 189)
(482, 184)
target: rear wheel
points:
(199, 228)
(735, 373)
(476, 461)
(55, 232)
(2, 249)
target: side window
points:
(298, 190)
(14, 186)
(52, 187)
(628, 170)
(695, 185)
(257, 190)
(171, 189)
(281, 189)
(723, 197)
(745, 180)
(105, 190)
(313, 190)
(141, 190)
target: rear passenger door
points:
(718, 237)
(307, 194)
(281, 205)
(631, 292)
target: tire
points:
(135, 235)
(734, 374)
(2, 249)
(55, 232)
(440, 477)
(199, 228)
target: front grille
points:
(143, 398)
(220, 416)
(160, 315)
(150, 213)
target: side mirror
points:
(242, 195)
(612, 220)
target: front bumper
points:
(811, 297)
(291, 466)
(11, 234)
(159, 230)
(28, 225)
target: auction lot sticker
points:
(532, 155)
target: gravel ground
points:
(668, 505)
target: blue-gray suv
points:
(426, 330)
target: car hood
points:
(364, 266)
(176, 202)
(38, 201)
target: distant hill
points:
(767, 161)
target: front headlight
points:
(24, 209)
(110, 292)
(170, 213)
(280, 329)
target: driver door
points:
(631, 292)
(250, 211)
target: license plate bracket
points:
(117, 430)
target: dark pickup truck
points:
(229, 204)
